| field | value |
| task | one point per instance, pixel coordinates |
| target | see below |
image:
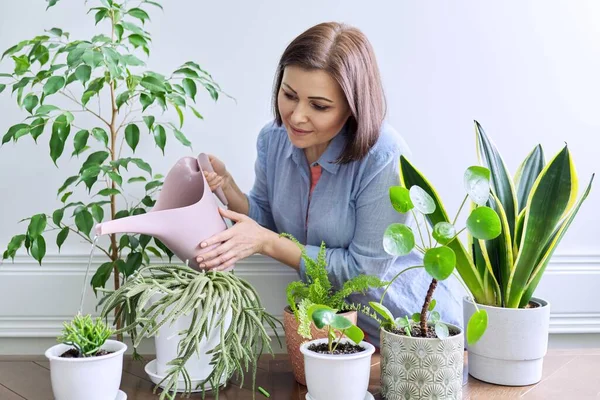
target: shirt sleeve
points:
(259, 207)
(374, 213)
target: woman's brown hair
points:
(346, 54)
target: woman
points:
(323, 173)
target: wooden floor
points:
(568, 374)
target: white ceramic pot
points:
(89, 378)
(512, 349)
(331, 377)
(167, 341)
(422, 368)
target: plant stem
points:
(84, 107)
(418, 227)
(427, 230)
(394, 278)
(460, 208)
(425, 308)
(339, 340)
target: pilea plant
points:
(60, 82)
(208, 296)
(85, 335)
(327, 317)
(319, 290)
(439, 259)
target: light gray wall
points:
(528, 71)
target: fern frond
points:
(358, 284)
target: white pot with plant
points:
(86, 365)
(204, 349)
(502, 273)
(318, 289)
(336, 367)
(422, 357)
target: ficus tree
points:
(51, 70)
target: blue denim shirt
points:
(349, 210)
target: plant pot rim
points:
(541, 302)
(369, 350)
(121, 348)
(288, 310)
(459, 334)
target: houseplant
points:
(421, 356)
(336, 367)
(156, 298)
(535, 209)
(318, 289)
(86, 365)
(93, 97)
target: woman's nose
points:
(299, 115)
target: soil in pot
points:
(342, 348)
(416, 332)
(74, 353)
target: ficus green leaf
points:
(132, 136)
(53, 85)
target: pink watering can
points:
(185, 213)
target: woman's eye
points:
(289, 96)
(320, 107)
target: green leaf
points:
(119, 31)
(180, 113)
(83, 73)
(80, 141)
(53, 85)
(160, 137)
(435, 317)
(84, 221)
(441, 330)
(60, 132)
(421, 200)
(100, 15)
(444, 232)
(38, 248)
(416, 317)
(37, 224)
(109, 192)
(94, 160)
(190, 88)
(196, 113)
(398, 240)
(137, 40)
(74, 56)
(439, 262)
(153, 84)
(132, 263)
(37, 128)
(69, 181)
(12, 131)
(476, 326)
(484, 223)
(153, 3)
(141, 164)
(187, 72)
(97, 212)
(30, 102)
(57, 216)
(527, 173)
(400, 199)
(118, 179)
(100, 135)
(432, 304)
(45, 109)
(51, 3)
(132, 60)
(152, 185)
(65, 196)
(149, 120)
(56, 32)
(21, 64)
(122, 99)
(102, 275)
(139, 13)
(146, 100)
(501, 182)
(132, 136)
(477, 184)
(61, 237)
(181, 137)
(136, 179)
(321, 315)
(2, 87)
(382, 310)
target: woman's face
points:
(313, 107)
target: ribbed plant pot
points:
(422, 368)
(333, 377)
(512, 349)
(293, 340)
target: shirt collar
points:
(328, 159)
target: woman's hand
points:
(220, 178)
(243, 239)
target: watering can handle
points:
(207, 166)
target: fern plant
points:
(319, 290)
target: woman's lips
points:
(299, 132)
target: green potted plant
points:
(212, 325)
(318, 289)
(536, 207)
(86, 364)
(61, 84)
(339, 365)
(421, 356)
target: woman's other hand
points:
(220, 177)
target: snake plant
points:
(207, 296)
(535, 207)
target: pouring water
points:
(87, 271)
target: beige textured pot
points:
(294, 340)
(421, 368)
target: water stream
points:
(87, 272)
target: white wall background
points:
(528, 71)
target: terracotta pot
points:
(294, 340)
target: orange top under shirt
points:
(315, 174)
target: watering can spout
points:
(185, 213)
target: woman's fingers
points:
(209, 257)
(219, 260)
